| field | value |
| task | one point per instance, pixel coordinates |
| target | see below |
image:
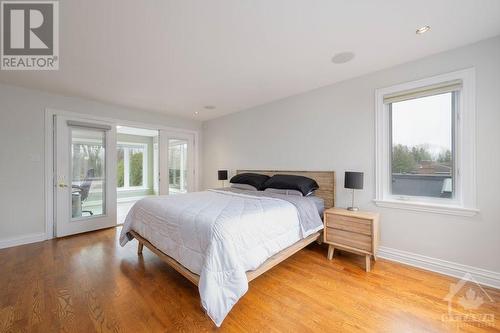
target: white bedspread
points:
(218, 235)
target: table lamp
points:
(354, 181)
(222, 176)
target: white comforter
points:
(219, 235)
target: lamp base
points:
(353, 209)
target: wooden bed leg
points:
(331, 251)
(139, 248)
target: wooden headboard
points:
(325, 180)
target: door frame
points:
(49, 151)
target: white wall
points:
(22, 210)
(333, 128)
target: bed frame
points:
(326, 182)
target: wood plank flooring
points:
(88, 283)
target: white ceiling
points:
(178, 56)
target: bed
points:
(222, 239)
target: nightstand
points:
(355, 232)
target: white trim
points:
(427, 207)
(49, 154)
(21, 240)
(126, 168)
(465, 141)
(156, 165)
(483, 276)
(49, 175)
(131, 144)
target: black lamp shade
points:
(353, 180)
(222, 174)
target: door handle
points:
(62, 185)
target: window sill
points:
(133, 199)
(427, 207)
(131, 189)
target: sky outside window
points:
(424, 121)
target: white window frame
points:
(464, 201)
(126, 165)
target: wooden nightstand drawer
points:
(347, 223)
(348, 238)
(354, 231)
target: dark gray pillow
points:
(254, 179)
(291, 182)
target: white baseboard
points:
(482, 276)
(24, 239)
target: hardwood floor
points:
(88, 283)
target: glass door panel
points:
(177, 166)
(88, 165)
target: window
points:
(131, 166)
(425, 145)
(422, 146)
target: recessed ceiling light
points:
(423, 30)
(209, 107)
(342, 57)
(196, 113)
